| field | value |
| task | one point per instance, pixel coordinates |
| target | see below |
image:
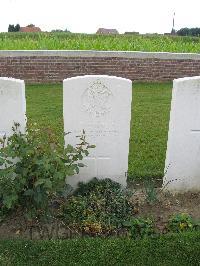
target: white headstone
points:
(12, 105)
(182, 166)
(101, 105)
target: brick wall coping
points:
(91, 53)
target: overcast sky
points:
(89, 15)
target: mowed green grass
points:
(121, 42)
(149, 124)
(149, 129)
(45, 107)
(168, 250)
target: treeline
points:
(188, 32)
(13, 28)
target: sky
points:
(86, 16)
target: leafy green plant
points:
(182, 222)
(140, 228)
(150, 190)
(99, 206)
(34, 170)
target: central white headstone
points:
(12, 105)
(101, 105)
(182, 166)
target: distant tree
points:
(31, 25)
(59, 30)
(189, 32)
(17, 27)
(13, 28)
(66, 30)
(183, 32)
(195, 31)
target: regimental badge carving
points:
(97, 99)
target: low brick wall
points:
(54, 66)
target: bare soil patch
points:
(167, 205)
(16, 227)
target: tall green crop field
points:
(67, 41)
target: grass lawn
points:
(179, 249)
(149, 126)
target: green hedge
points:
(177, 249)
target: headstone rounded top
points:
(187, 81)
(12, 79)
(97, 77)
